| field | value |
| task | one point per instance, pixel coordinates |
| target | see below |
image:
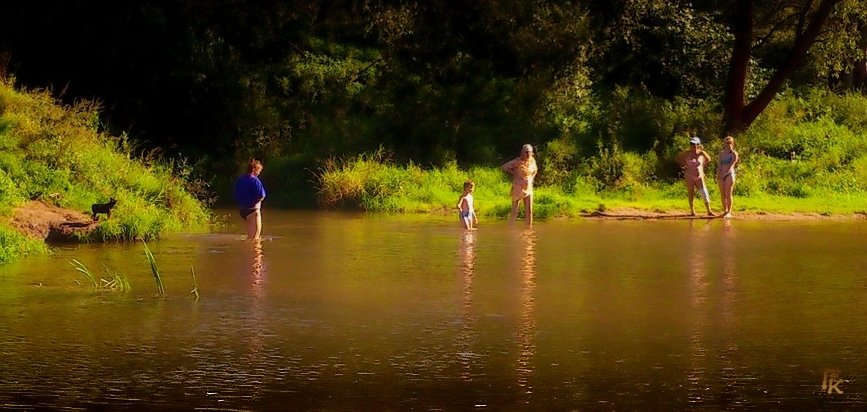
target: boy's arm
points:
(460, 201)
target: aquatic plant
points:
(86, 272)
(195, 291)
(161, 291)
(114, 282)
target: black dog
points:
(103, 208)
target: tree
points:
(807, 21)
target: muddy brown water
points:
(341, 311)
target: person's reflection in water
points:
(467, 334)
(527, 331)
(729, 276)
(257, 272)
(698, 285)
(255, 325)
(730, 354)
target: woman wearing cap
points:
(692, 162)
(523, 169)
(725, 173)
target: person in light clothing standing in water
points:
(249, 194)
(523, 170)
(725, 174)
(692, 162)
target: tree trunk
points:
(742, 28)
(739, 117)
(859, 73)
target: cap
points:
(526, 148)
(695, 140)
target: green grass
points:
(14, 245)
(161, 290)
(60, 155)
(376, 185)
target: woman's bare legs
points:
(727, 189)
(690, 190)
(254, 224)
(528, 209)
(514, 213)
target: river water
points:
(342, 311)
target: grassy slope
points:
(57, 153)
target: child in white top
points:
(465, 206)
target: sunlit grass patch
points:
(57, 154)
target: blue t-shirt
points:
(248, 191)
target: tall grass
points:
(161, 291)
(14, 245)
(59, 154)
(81, 268)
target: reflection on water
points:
(712, 305)
(466, 337)
(527, 331)
(346, 312)
(697, 249)
(256, 349)
(257, 267)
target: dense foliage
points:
(432, 82)
(808, 153)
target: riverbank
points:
(57, 161)
(39, 220)
(634, 214)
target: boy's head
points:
(254, 167)
(469, 186)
